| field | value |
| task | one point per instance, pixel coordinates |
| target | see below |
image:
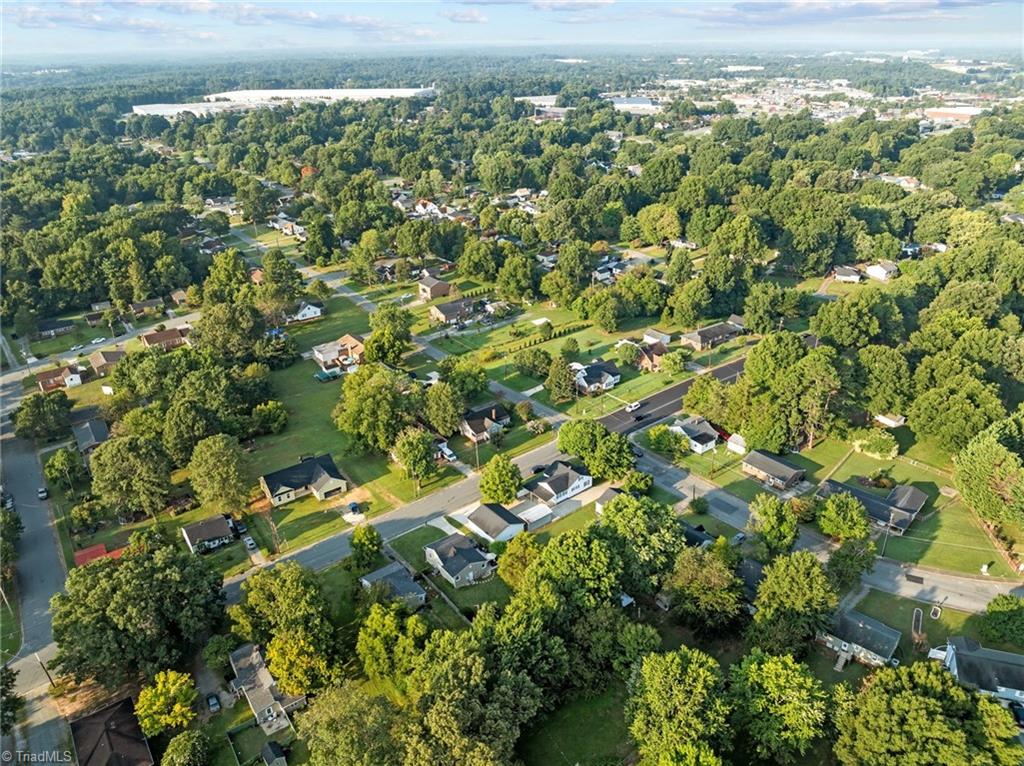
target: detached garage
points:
(494, 523)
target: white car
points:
(79, 347)
(250, 544)
(632, 406)
(97, 341)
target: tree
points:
(515, 282)
(774, 354)
(135, 616)
(216, 653)
(676, 700)
(444, 408)
(955, 411)
(612, 459)
(298, 663)
(849, 561)
(186, 424)
(794, 601)
(189, 748)
(844, 517)
(131, 474)
(779, 704)
(581, 437)
(919, 714)
(44, 416)
(775, 527)
(887, 387)
(646, 537)
(519, 554)
(762, 308)
(11, 703)
(285, 600)
(990, 471)
(269, 417)
(1004, 619)
(688, 304)
(706, 593)
(637, 482)
(366, 545)
(390, 333)
(500, 480)
(65, 466)
(560, 383)
(230, 332)
(375, 406)
(414, 451)
(389, 643)
(166, 703)
(674, 362)
(346, 725)
(215, 472)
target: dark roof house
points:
(559, 481)
(715, 334)
(857, 629)
(991, 671)
(897, 510)
(111, 737)
(771, 469)
(457, 559)
(90, 434)
(495, 522)
(207, 534)
(311, 475)
(399, 582)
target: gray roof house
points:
(110, 737)
(771, 470)
(700, 434)
(253, 680)
(715, 334)
(990, 671)
(89, 435)
(857, 636)
(480, 424)
(318, 476)
(273, 754)
(606, 497)
(208, 534)
(897, 510)
(494, 522)
(597, 376)
(559, 481)
(400, 583)
(458, 560)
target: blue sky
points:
(44, 29)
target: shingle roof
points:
(111, 737)
(456, 553)
(987, 669)
(481, 419)
(596, 372)
(398, 579)
(313, 472)
(493, 519)
(90, 433)
(856, 628)
(772, 465)
(555, 479)
(695, 537)
(212, 528)
(698, 429)
(907, 497)
(455, 308)
(879, 508)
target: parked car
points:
(637, 452)
(213, 703)
(241, 528)
(633, 406)
(353, 507)
(42, 493)
(1017, 708)
(537, 468)
(738, 538)
(250, 544)
(77, 347)
(97, 341)
(8, 501)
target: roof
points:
(98, 358)
(773, 465)
(698, 429)
(111, 737)
(271, 751)
(162, 336)
(90, 433)
(94, 552)
(429, 281)
(695, 537)
(987, 669)
(846, 271)
(596, 372)
(857, 628)
(751, 572)
(397, 578)
(608, 495)
(492, 519)
(454, 308)
(212, 528)
(53, 324)
(879, 508)
(716, 331)
(311, 472)
(456, 552)
(907, 497)
(556, 478)
(48, 376)
(480, 419)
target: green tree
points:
(285, 600)
(560, 383)
(918, 713)
(390, 333)
(189, 748)
(44, 416)
(11, 703)
(1004, 619)
(375, 407)
(779, 704)
(581, 437)
(516, 278)
(65, 466)
(676, 700)
(500, 480)
(794, 601)
(705, 591)
(645, 535)
(131, 474)
(612, 459)
(166, 703)
(843, 517)
(519, 554)
(347, 725)
(216, 475)
(887, 387)
(299, 662)
(955, 411)
(269, 417)
(216, 653)
(776, 528)
(772, 356)
(366, 544)
(444, 407)
(990, 471)
(414, 451)
(187, 423)
(389, 643)
(849, 561)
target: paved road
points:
(40, 574)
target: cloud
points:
(84, 16)
(570, 5)
(781, 13)
(465, 16)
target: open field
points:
(343, 316)
(516, 441)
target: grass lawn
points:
(88, 394)
(410, 545)
(712, 525)
(516, 441)
(217, 728)
(820, 460)
(897, 612)
(248, 743)
(583, 732)
(10, 629)
(343, 316)
(922, 450)
(666, 496)
(578, 519)
(472, 596)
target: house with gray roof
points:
(458, 560)
(861, 638)
(698, 432)
(253, 680)
(990, 671)
(559, 481)
(399, 582)
(208, 534)
(771, 470)
(480, 424)
(713, 335)
(89, 435)
(897, 510)
(597, 377)
(494, 522)
(317, 476)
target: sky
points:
(41, 29)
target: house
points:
(494, 523)
(273, 754)
(318, 476)
(96, 552)
(451, 312)
(990, 671)
(111, 736)
(141, 307)
(533, 515)
(167, 339)
(256, 276)
(179, 297)
(771, 470)
(480, 424)
(696, 536)
(93, 318)
(883, 271)
(896, 511)
(399, 583)
(890, 421)
(853, 635)
(737, 444)
(649, 356)
(597, 377)
(701, 435)
(306, 312)
(62, 377)
(457, 559)
(431, 287)
(89, 435)
(51, 328)
(101, 306)
(212, 246)
(714, 335)
(847, 274)
(253, 680)
(208, 534)
(346, 352)
(606, 497)
(102, 362)
(559, 481)
(652, 337)
(910, 250)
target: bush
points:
(524, 411)
(538, 426)
(700, 505)
(875, 442)
(216, 651)
(570, 347)
(269, 417)
(638, 482)
(1004, 619)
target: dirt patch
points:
(76, 700)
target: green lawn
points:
(10, 628)
(820, 460)
(217, 729)
(516, 441)
(662, 495)
(578, 519)
(343, 316)
(470, 597)
(410, 545)
(897, 612)
(922, 450)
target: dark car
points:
(638, 418)
(213, 703)
(1017, 709)
(537, 468)
(637, 452)
(353, 507)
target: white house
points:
(698, 432)
(883, 271)
(307, 311)
(559, 481)
(494, 523)
(653, 337)
(208, 534)
(596, 377)
(457, 559)
(855, 636)
(890, 421)
(847, 274)
(737, 444)
(990, 671)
